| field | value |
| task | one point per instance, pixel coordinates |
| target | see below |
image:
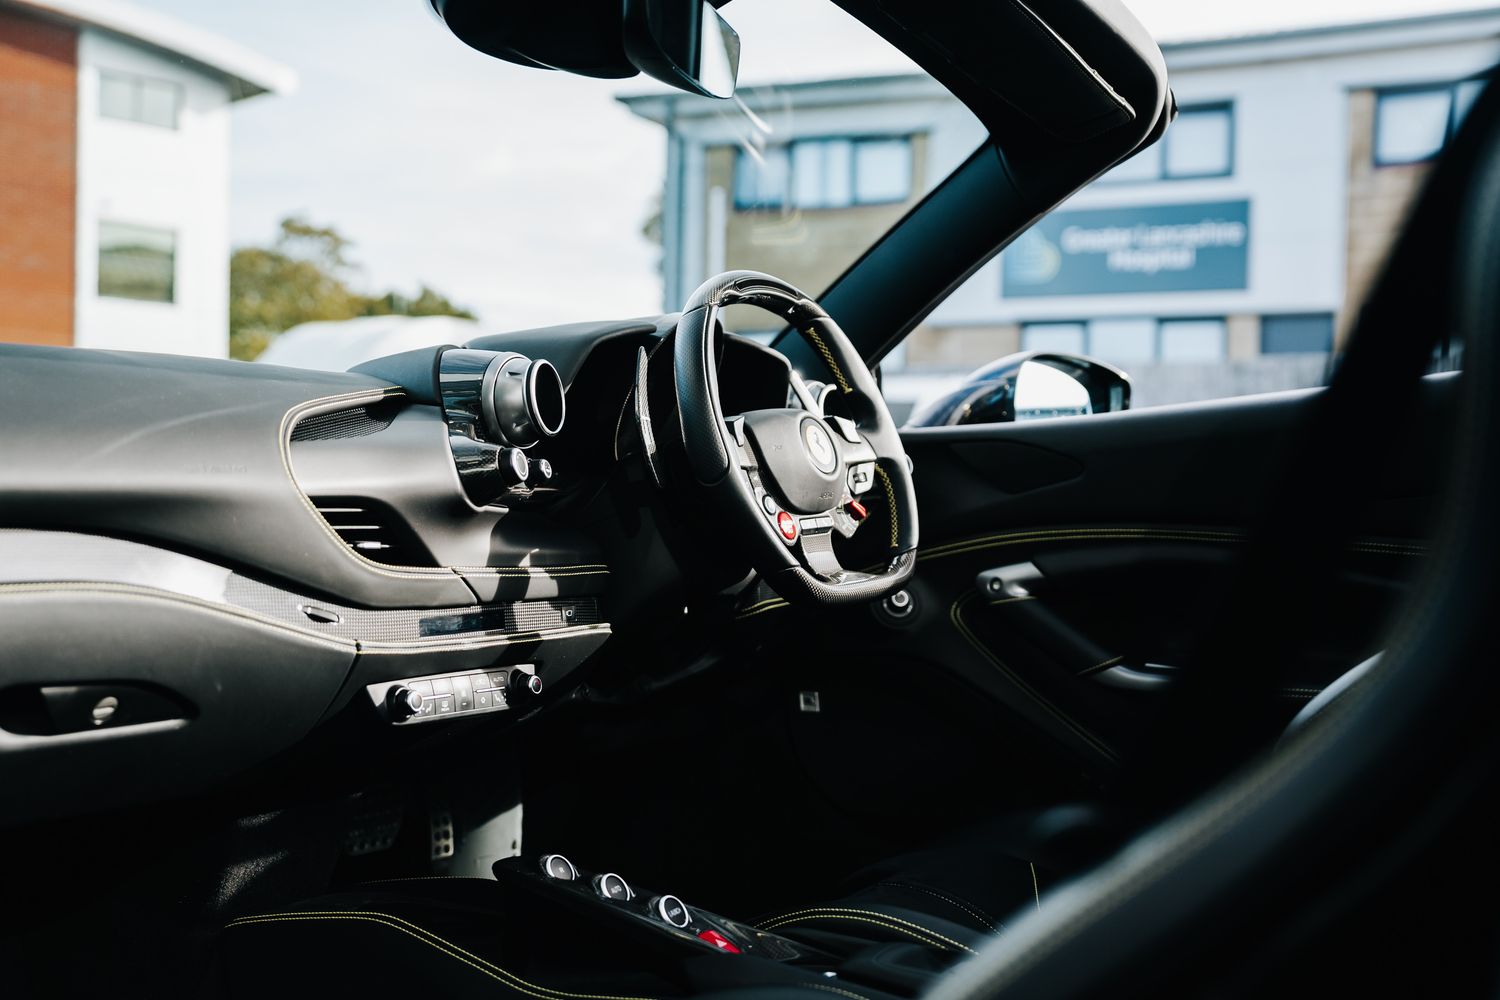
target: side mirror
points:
(1029, 386)
(683, 43)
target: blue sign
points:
(1148, 248)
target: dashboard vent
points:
(374, 530)
(362, 421)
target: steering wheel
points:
(785, 480)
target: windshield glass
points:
(317, 184)
(249, 169)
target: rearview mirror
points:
(683, 43)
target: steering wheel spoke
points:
(798, 470)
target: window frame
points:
(99, 250)
(788, 196)
(136, 80)
(1450, 129)
(1159, 150)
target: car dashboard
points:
(203, 561)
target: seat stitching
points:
(1102, 665)
(955, 615)
(971, 911)
(1036, 887)
(835, 989)
(875, 913)
(833, 366)
(761, 609)
(923, 938)
(431, 940)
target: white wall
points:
(147, 175)
(1291, 164)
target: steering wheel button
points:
(857, 510)
(787, 525)
(768, 504)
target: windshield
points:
(319, 184)
(352, 165)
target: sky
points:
(517, 192)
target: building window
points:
(1414, 124)
(137, 262)
(1132, 341)
(1305, 334)
(1193, 341)
(139, 99)
(824, 173)
(1200, 143)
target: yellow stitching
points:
(1175, 534)
(835, 989)
(777, 606)
(867, 920)
(833, 366)
(1067, 534)
(1036, 887)
(874, 913)
(945, 898)
(1101, 665)
(431, 940)
(890, 503)
(762, 603)
(1077, 729)
(416, 647)
(151, 593)
(1010, 600)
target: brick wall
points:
(38, 177)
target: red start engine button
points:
(788, 526)
(719, 941)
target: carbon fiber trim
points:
(362, 421)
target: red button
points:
(788, 525)
(719, 941)
(857, 510)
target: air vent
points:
(362, 421)
(374, 530)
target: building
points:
(114, 175)
(1221, 261)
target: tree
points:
(303, 276)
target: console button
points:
(404, 702)
(558, 867)
(611, 886)
(671, 910)
(444, 704)
(463, 694)
(484, 700)
(719, 941)
(497, 679)
(442, 685)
